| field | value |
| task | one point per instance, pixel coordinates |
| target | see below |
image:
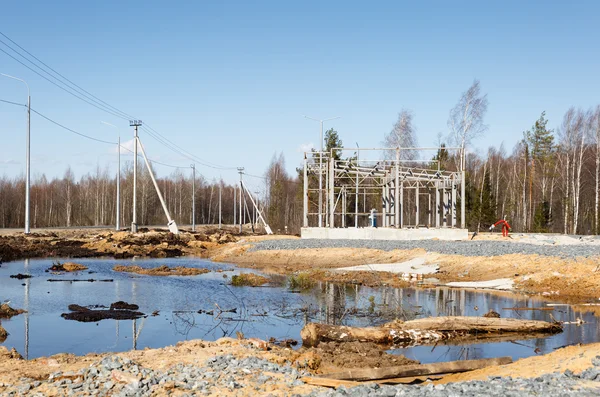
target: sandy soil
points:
(572, 280)
(576, 358)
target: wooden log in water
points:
(404, 371)
(426, 330)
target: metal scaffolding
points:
(405, 193)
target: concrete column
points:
(417, 206)
(397, 200)
(383, 206)
(401, 205)
(331, 192)
(344, 208)
(453, 203)
(429, 209)
(437, 204)
(305, 195)
(444, 207)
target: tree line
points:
(548, 182)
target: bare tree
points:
(466, 117)
(402, 135)
(595, 130)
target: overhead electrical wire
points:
(88, 136)
(87, 97)
(63, 88)
(89, 94)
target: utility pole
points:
(321, 169)
(356, 192)
(28, 167)
(193, 197)
(234, 205)
(27, 154)
(135, 124)
(241, 171)
(118, 222)
(220, 191)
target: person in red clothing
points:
(505, 227)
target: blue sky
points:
(230, 81)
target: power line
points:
(73, 131)
(64, 78)
(85, 96)
(12, 103)
(63, 88)
(161, 139)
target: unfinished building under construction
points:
(396, 197)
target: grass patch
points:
(301, 281)
(248, 280)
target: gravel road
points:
(465, 248)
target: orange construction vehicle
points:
(505, 227)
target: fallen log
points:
(373, 374)
(426, 330)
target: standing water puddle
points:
(274, 311)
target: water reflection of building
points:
(332, 304)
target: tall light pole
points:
(27, 153)
(135, 124)
(118, 209)
(321, 168)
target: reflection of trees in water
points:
(183, 323)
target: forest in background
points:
(547, 182)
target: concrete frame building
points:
(412, 199)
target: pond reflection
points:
(208, 307)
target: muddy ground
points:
(571, 279)
(575, 279)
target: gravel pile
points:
(465, 248)
(556, 384)
(118, 376)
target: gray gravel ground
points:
(556, 384)
(118, 376)
(465, 248)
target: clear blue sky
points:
(230, 81)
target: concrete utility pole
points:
(220, 194)
(118, 208)
(321, 168)
(135, 124)
(356, 192)
(234, 206)
(241, 171)
(27, 154)
(193, 197)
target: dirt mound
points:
(20, 276)
(6, 354)
(66, 267)
(7, 311)
(120, 305)
(3, 335)
(163, 270)
(85, 315)
(331, 356)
